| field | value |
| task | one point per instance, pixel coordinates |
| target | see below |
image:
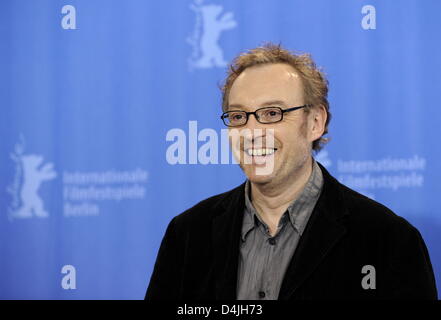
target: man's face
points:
(257, 87)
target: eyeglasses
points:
(237, 118)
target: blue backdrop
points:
(93, 94)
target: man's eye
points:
(272, 113)
(236, 116)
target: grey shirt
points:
(264, 259)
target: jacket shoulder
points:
(373, 215)
(209, 207)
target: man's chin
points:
(257, 176)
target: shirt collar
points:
(298, 211)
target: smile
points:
(261, 151)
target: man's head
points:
(272, 76)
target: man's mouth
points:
(260, 151)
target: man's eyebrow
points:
(265, 104)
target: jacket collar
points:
(322, 232)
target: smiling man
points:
(290, 231)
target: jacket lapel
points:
(323, 231)
(227, 225)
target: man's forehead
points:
(263, 85)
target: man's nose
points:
(254, 132)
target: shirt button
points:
(272, 241)
(261, 294)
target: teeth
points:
(260, 152)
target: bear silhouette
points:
(212, 54)
(33, 176)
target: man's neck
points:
(271, 201)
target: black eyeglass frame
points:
(283, 111)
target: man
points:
(291, 232)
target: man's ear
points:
(318, 119)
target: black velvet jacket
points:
(198, 256)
